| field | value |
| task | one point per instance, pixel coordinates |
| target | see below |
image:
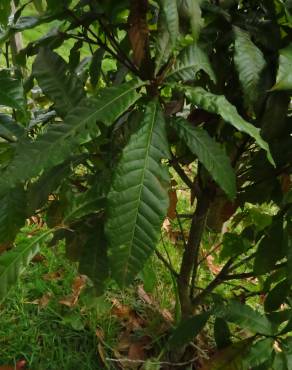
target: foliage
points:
(92, 143)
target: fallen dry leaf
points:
(171, 213)
(215, 269)
(78, 285)
(128, 316)
(52, 276)
(43, 301)
(19, 365)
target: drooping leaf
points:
(138, 200)
(170, 13)
(259, 353)
(62, 139)
(277, 296)
(230, 358)
(190, 10)
(245, 317)
(191, 60)
(270, 249)
(209, 153)
(284, 76)
(9, 129)
(56, 81)
(163, 46)
(11, 91)
(218, 104)
(221, 333)
(95, 66)
(188, 330)
(93, 261)
(12, 213)
(250, 62)
(14, 262)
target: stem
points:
(191, 253)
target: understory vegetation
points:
(145, 184)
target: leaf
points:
(170, 13)
(163, 46)
(270, 249)
(245, 317)
(230, 358)
(191, 11)
(11, 92)
(250, 63)
(259, 353)
(277, 296)
(78, 285)
(209, 154)
(94, 261)
(221, 333)
(188, 329)
(138, 200)
(54, 78)
(14, 262)
(190, 61)
(95, 66)
(284, 76)
(10, 130)
(12, 213)
(218, 104)
(62, 139)
(5, 9)
(233, 245)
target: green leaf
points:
(280, 362)
(233, 245)
(284, 76)
(209, 153)
(188, 329)
(9, 129)
(62, 139)
(14, 262)
(93, 261)
(5, 9)
(11, 92)
(190, 10)
(12, 213)
(259, 353)
(270, 249)
(221, 333)
(250, 63)
(170, 13)
(95, 66)
(277, 296)
(163, 47)
(218, 104)
(245, 317)
(62, 87)
(138, 200)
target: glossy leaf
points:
(138, 200)
(245, 317)
(209, 153)
(250, 63)
(218, 104)
(11, 92)
(189, 62)
(62, 139)
(284, 76)
(188, 330)
(170, 12)
(54, 78)
(12, 213)
(13, 262)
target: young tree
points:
(149, 87)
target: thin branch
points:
(181, 173)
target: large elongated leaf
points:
(170, 13)
(218, 104)
(138, 200)
(62, 139)
(212, 156)
(284, 76)
(250, 62)
(11, 91)
(190, 10)
(191, 60)
(245, 317)
(52, 74)
(188, 330)
(14, 262)
(5, 9)
(12, 213)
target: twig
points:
(178, 364)
(181, 173)
(168, 263)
